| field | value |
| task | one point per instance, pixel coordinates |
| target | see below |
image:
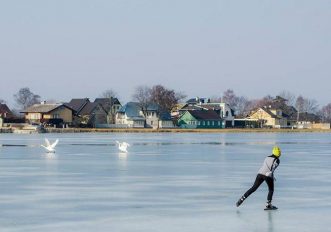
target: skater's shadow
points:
(270, 221)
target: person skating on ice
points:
(266, 173)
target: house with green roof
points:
(192, 119)
(222, 109)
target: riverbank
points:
(173, 130)
(6, 130)
(177, 130)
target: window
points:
(35, 116)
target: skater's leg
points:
(258, 181)
(270, 183)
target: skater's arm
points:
(273, 168)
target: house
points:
(77, 104)
(152, 116)
(200, 119)
(222, 109)
(306, 120)
(111, 105)
(156, 119)
(198, 100)
(277, 114)
(54, 114)
(92, 115)
(5, 112)
(267, 117)
(165, 120)
(130, 115)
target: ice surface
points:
(166, 182)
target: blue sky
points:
(67, 49)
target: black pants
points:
(258, 181)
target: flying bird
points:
(50, 147)
(123, 146)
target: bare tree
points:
(310, 106)
(180, 96)
(325, 113)
(25, 98)
(265, 101)
(290, 97)
(215, 99)
(299, 105)
(306, 105)
(142, 94)
(230, 98)
(165, 98)
(109, 93)
(242, 106)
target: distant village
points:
(194, 113)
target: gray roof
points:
(107, 102)
(190, 107)
(309, 117)
(89, 108)
(211, 106)
(4, 109)
(131, 109)
(42, 108)
(280, 103)
(204, 114)
(165, 116)
(198, 100)
(153, 107)
(77, 104)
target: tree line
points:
(167, 99)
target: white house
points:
(221, 108)
(131, 115)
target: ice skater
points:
(266, 173)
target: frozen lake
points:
(165, 183)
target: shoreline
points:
(170, 130)
(177, 130)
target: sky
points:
(63, 49)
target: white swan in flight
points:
(50, 147)
(123, 146)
